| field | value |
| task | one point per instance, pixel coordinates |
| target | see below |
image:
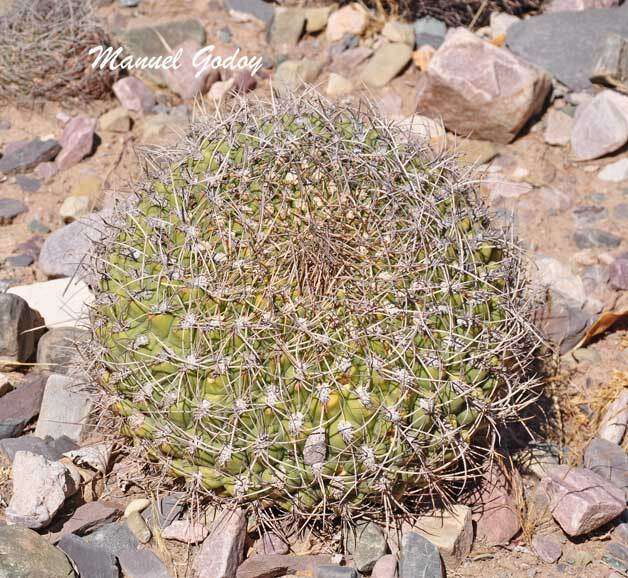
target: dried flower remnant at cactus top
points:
(299, 312)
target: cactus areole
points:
(304, 309)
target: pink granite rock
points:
(479, 89)
(77, 142)
(134, 95)
(580, 500)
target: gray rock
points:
(429, 30)
(64, 250)
(28, 184)
(64, 409)
(257, 9)
(279, 565)
(57, 348)
(26, 554)
(590, 238)
(90, 561)
(611, 62)
(386, 567)
(621, 533)
(621, 211)
(42, 447)
(615, 419)
(40, 487)
(291, 74)
(20, 329)
(114, 538)
(286, 29)
(616, 557)
(85, 518)
(367, 543)
(129, 3)
(21, 405)
(387, 62)
(164, 512)
(27, 157)
(609, 461)
(588, 214)
(564, 321)
(19, 261)
(547, 547)
(142, 564)
(9, 209)
(335, 572)
(565, 43)
(419, 558)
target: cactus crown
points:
(302, 309)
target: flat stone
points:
(223, 550)
(368, 545)
(89, 560)
(165, 511)
(287, 28)
(558, 127)
(86, 518)
(581, 500)
(611, 63)
(474, 102)
(114, 538)
(134, 95)
(397, 31)
(115, 120)
(385, 567)
(64, 409)
(45, 171)
(269, 566)
(430, 30)
(77, 142)
(271, 543)
(10, 446)
(142, 564)
(61, 302)
(350, 19)
(291, 74)
(27, 184)
(21, 405)
(566, 43)
(590, 238)
(57, 349)
(419, 558)
(335, 572)
(615, 419)
(138, 526)
(258, 10)
(547, 548)
(185, 531)
(20, 328)
(588, 214)
(614, 172)
(387, 62)
(9, 209)
(19, 261)
(26, 554)
(564, 321)
(555, 274)
(27, 157)
(616, 557)
(40, 487)
(609, 461)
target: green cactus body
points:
(301, 311)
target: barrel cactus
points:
(305, 310)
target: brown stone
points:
(279, 565)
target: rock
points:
(45, 171)
(621, 533)
(429, 30)
(547, 548)
(270, 543)
(385, 567)
(21, 260)
(89, 560)
(64, 409)
(187, 80)
(387, 62)
(615, 419)
(77, 142)
(611, 64)
(95, 456)
(621, 211)
(338, 85)
(580, 500)
(401, 32)
(451, 532)
(609, 461)
(26, 554)
(61, 302)
(346, 62)
(557, 275)
(291, 74)
(258, 10)
(500, 22)
(279, 565)
(558, 127)
(500, 189)
(316, 17)
(286, 28)
(473, 103)
(350, 19)
(46, 448)
(221, 89)
(498, 520)
(40, 487)
(165, 511)
(615, 172)
(138, 526)
(5, 385)
(27, 184)
(20, 329)
(367, 544)
(158, 126)
(64, 250)
(422, 129)
(29, 156)
(142, 564)
(86, 518)
(9, 209)
(475, 152)
(588, 214)
(115, 120)
(618, 273)
(600, 127)
(244, 82)
(21, 405)
(114, 538)
(74, 207)
(223, 550)
(185, 531)
(590, 238)
(335, 572)
(419, 557)
(137, 505)
(578, 5)
(57, 348)
(134, 95)
(565, 43)
(616, 556)
(564, 321)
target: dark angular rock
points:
(28, 184)
(21, 405)
(10, 446)
(419, 557)
(85, 518)
(19, 261)
(590, 238)
(57, 348)
(619, 273)
(115, 538)
(90, 560)
(29, 156)
(142, 564)
(368, 545)
(9, 209)
(262, 11)
(20, 329)
(167, 509)
(616, 557)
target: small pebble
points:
(136, 506)
(140, 530)
(19, 261)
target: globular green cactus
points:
(307, 310)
